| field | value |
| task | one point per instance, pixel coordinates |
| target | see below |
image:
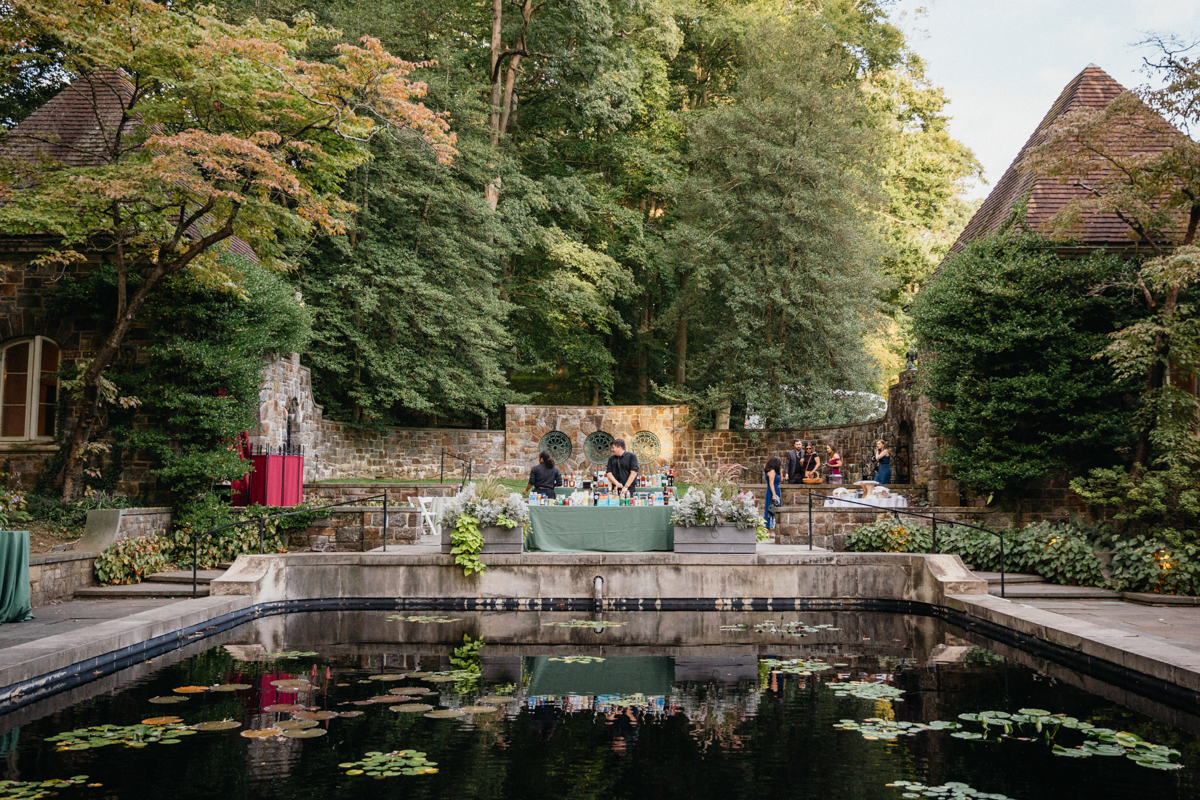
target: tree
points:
(1008, 332)
(772, 224)
(219, 131)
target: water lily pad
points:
(479, 709)
(363, 702)
(223, 725)
(422, 620)
(1034, 712)
(441, 678)
(584, 623)
(293, 654)
(168, 700)
(261, 733)
(577, 659)
(350, 714)
(445, 713)
(419, 675)
(162, 720)
(408, 708)
(231, 687)
(308, 733)
(383, 698)
(394, 676)
(191, 689)
(409, 690)
(320, 715)
(290, 685)
(284, 708)
(496, 699)
(390, 765)
(296, 724)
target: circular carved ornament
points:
(597, 447)
(557, 444)
(646, 446)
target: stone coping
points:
(65, 655)
(335, 483)
(1147, 655)
(61, 557)
(1152, 599)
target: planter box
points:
(715, 539)
(495, 540)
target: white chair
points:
(428, 516)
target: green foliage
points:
(14, 505)
(467, 542)
(132, 560)
(1143, 564)
(1160, 502)
(210, 511)
(889, 536)
(57, 515)
(1008, 334)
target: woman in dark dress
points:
(883, 457)
(543, 477)
(774, 465)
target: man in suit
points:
(793, 470)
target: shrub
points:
(889, 536)
(72, 516)
(211, 512)
(1142, 564)
(131, 560)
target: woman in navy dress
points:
(883, 457)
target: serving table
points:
(14, 577)
(895, 501)
(603, 529)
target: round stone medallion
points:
(597, 447)
(557, 444)
(645, 446)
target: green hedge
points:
(1063, 553)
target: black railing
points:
(933, 527)
(466, 468)
(261, 522)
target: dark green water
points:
(659, 706)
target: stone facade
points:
(909, 433)
(751, 449)
(138, 522)
(360, 529)
(398, 493)
(526, 425)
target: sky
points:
(1003, 62)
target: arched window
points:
(28, 389)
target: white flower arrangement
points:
(497, 509)
(699, 508)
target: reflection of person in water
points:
(776, 684)
(623, 728)
(544, 720)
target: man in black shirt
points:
(793, 470)
(622, 466)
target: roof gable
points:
(1091, 88)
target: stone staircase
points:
(1019, 586)
(174, 585)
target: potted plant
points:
(483, 518)
(714, 517)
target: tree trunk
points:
(681, 333)
(643, 356)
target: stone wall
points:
(751, 449)
(138, 522)
(54, 577)
(910, 435)
(830, 525)
(526, 425)
(357, 529)
(398, 493)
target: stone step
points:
(143, 590)
(1050, 591)
(203, 576)
(1010, 578)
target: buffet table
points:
(603, 529)
(895, 501)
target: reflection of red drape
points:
(239, 490)
(268, 695)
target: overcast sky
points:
(1003, 62)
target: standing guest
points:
(622, 467)
(834, 460)
(812, 465)
(772, 472)
(883, 457)
(793, 471)
(543, 477)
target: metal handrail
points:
(933, 528)
(467, 464)
(262, 533)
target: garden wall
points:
(830, 525)
(657, 434)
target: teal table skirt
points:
(620, 675)
(14, 577)
(603, 529)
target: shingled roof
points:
(82, 126)
(1091, 88)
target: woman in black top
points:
(543, 477)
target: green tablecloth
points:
(14, 577)
(607, 529)
(617, 675)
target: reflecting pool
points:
(379, 704)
